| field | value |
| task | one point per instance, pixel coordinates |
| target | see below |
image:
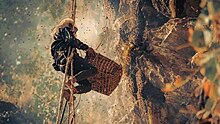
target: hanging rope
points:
(73, 112)
(73, 16)
(69, 60)
(63, 86)
(71, 118)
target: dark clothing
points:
(84, 87)
(82, 69)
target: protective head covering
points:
(67, 22)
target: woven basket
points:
(108, 76)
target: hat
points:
(67, 22)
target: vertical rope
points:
(73, 14)
(63, 86)
(70, 58)
(63, 112)
(71, 101)
(71, 107)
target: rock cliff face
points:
(148, 37)
(153, 35)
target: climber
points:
(64, 38)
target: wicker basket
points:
(108, 76)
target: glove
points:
(90, 52)
(56, 67)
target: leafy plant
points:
(204, 38)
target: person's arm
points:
(78, 44)
(67, 36)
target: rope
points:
(73, 112)
(63, 85)
(73, 16)
(63, 113)
(69, 60)
(71, 101)
(77, 105)
(71, 119)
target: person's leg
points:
(83, 69)
(84, 87)
(66, 94)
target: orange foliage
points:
(190, 39)
(217, 109)
(206, 86)
(197, 57)
(179, 81)
(210, 90)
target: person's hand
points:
(70, 80)
(69, 87)
(56, 67)
(90, 52)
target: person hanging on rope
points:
(64, 38)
